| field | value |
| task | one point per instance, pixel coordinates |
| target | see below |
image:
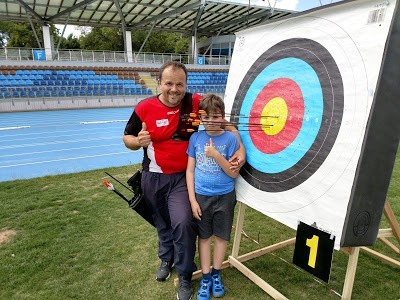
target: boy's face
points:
(212, 121)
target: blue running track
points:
(35, 144)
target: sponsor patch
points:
(161, 123)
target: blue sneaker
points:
(204, 292)
(218, 289)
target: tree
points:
(161, 42)
(182, 46)
(100, 38)
(70, 42)
(18, 34)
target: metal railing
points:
(26, 54)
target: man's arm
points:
(239, 157)
(136, 142)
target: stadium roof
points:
(189, 17)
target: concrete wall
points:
(14, 105)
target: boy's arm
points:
(210, 151)
(190, 186)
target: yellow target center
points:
(274, 116)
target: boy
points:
(210, 183)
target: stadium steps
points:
(149, 82)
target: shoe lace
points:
(204, 285)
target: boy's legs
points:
(222, 225)
(220, 246)
(205, 254)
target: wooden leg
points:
(350, 273)
(392, 221)
(238, 230)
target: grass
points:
(68, 237)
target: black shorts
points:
(217, 215)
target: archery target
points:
(301, 92)
(283, 158)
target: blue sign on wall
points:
(200, 60)
(39, 55)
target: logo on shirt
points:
(173, 112)
(162, 123)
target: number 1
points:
(313, 244)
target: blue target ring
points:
(314, 70)
(311, 89)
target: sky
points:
(296, 5)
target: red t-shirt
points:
(164, 154)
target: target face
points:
(288, 120)
(301, 92)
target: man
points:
(154, 127)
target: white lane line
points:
(55, 132)
(48, 135)
(59, 150)
(64, 159)
(60, 142)
(102, 122)
(13, 128)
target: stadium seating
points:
(65, 83)
(100, 81)
(207, 82)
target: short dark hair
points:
(212, 103)
(174, 65)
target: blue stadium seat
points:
(61, 93)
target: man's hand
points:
(144, 136)
(236, 161)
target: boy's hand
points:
(210, 150)
(196, 210)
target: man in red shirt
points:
(153, 126)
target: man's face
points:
(172, 86)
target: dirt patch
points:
(6, 235)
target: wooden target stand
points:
(236, 261)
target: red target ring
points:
(279, 112)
